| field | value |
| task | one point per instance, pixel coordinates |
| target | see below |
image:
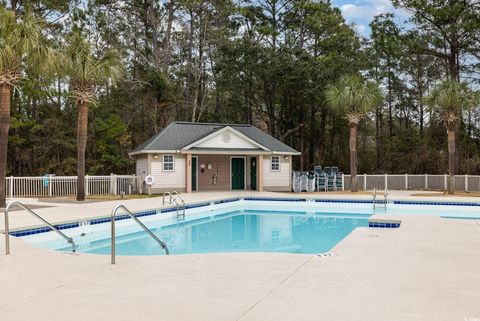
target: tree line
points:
(264, 62)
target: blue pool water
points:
(239, 226)
(225, 231)
(242, 232)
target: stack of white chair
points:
(296, 182)
(303, 183)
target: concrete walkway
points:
(428, 269)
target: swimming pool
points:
(239, 225)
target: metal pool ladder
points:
(180, 215)
(162, 244)
(382, 204)
(53, 228)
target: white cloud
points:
(360, 29)
(366, 9)
(361, 12)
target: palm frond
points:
(353, 96)
(22, 45)
(450, 98)
(86, 70)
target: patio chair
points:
(321, 181)
(331, 182)
(303, 183)
(317, 169)
(339, 181)
(327, 170)
(296, 182)
(311, 183)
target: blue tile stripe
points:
(345, 201)
(44, 229)
(383, 225)
(436, 203)
(274, 199)
(229, 200)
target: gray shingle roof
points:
(178, 135)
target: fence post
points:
(466, 182)
(364, 182)
(386, 182)
(406, 181)
(426, 181)
(445, 183)
(11, 187)
(50, 182)
(87, 190)
(113, 184)
(343, 182)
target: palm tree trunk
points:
(82, 131)
(353, 157)
(451, 161)
(5, 93)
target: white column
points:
(50, 182)
(406, 181)
(466, 182)
(364, 182)
(426, 181)
(112, 184)
(445, 181)
(386, 182)
(87, 192)
(11, 186)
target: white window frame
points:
(173, 163)
(271, 164)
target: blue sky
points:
(361, 12)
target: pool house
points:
(190, 157)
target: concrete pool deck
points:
(428, 269)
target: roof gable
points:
(226, 138)
(179, 135)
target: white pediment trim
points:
(221, 132)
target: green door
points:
(253, 173)
(194, 173)
(238, 173)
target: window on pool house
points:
(168, 163)
(275, 164)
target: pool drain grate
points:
(327, 254)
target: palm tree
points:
(21, 46)
(355, 98)
(449, 98)
(85, 71)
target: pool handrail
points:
(385, 200)
(163, 197)
(183, 204)
(172, 197)
(162, 244)
(53, 228)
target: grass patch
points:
(97, 198)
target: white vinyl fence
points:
(467, 183)
(51, 185)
